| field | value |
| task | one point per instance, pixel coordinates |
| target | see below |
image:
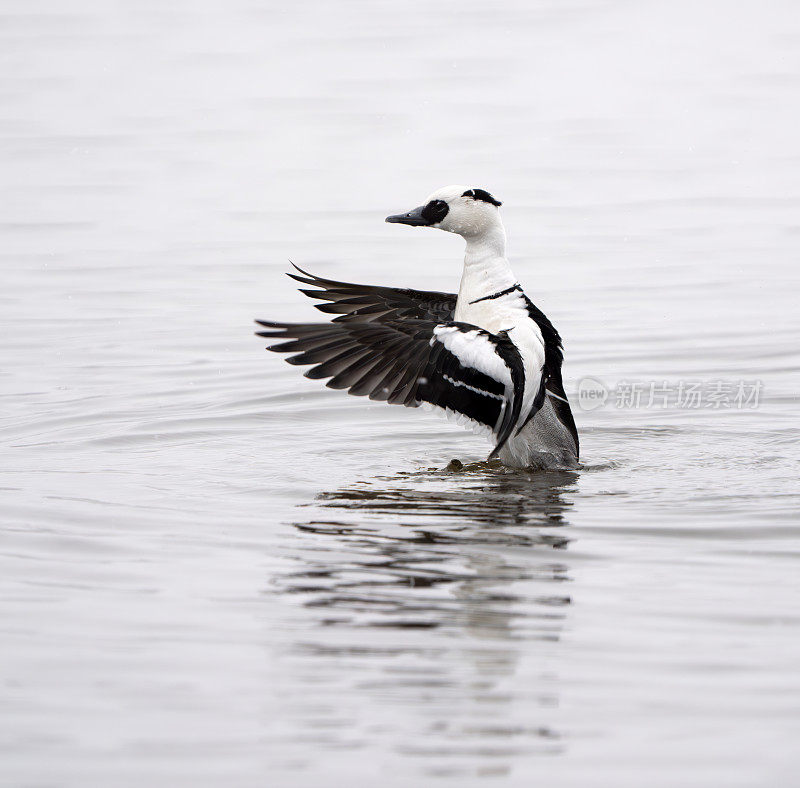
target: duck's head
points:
(456, 209)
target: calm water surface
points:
(215, 572)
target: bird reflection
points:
(440, 583)
(427, 530)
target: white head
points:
(471, 213)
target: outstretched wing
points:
(456, 367)
(369, 303)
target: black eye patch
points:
(435, 211)
(481, 194)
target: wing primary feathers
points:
(369, 303)
(399, 361)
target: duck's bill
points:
(412, 218)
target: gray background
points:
(215, 572)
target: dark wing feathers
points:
(367, 303)
(401, 362)
(372, 358)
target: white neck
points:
(486, 270)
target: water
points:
(215, 572)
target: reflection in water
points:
(439, 584)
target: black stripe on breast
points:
(498, 295)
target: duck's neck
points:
(486, 269)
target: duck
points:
(485, 356)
